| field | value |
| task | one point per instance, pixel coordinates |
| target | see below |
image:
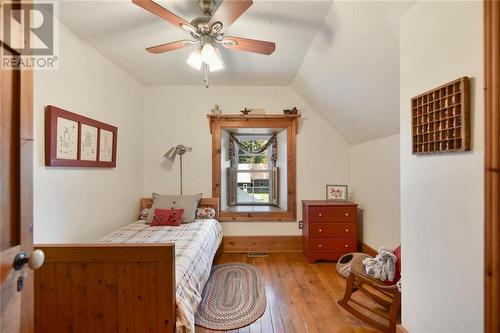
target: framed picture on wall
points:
(336, 192)
(72, 140)
(105, 145)
(66, 139)
(88, 143)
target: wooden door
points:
(16, 211)
(492, 166)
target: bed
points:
(136, 279)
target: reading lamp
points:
(177, 150)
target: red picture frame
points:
(72, 155)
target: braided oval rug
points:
(234, 297)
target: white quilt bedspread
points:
(195, 247)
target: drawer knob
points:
(346, 230)
(346, 246)
(320, 214)
(320, 246)
(346, 214)
(320, 230)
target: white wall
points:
(174, 115)
(374, 179)
(281, 163)
(442, 195)
(74, 205)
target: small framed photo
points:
(336, 192)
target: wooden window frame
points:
(290, 124)
(492, 166)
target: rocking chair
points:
(385, 295)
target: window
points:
(254, 165)
(253, 171)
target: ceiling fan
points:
(207, 31)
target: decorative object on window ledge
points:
(441, 119)
(177, 150)
(216, 109)
(207, 32)
(72, 140)
(245, 111)
(336, 192)
(294, 110)
(258, 111)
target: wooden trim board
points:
(492, 166)
(401, 329)
(238, 244)
(365, 248)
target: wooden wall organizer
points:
(441, 119)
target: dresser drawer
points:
(338, 245)
(332, 230)
(332, 214)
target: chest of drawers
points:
(329, 229)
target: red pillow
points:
(397, 253)
(397, 274)
(164, 217)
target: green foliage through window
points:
(253, 144)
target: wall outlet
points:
(301, 224)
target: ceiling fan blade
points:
(169, 46)
(249, 45)
(165, 14)
(229, 11)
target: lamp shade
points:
(217, 63)
(194, 60)
(170, 154)
(177, 150)
(211, 57)
(208, 54)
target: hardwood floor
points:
(301, 297)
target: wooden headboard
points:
(204, 202)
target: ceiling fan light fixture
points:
(217, 63)
(209, 55)
(194, 60)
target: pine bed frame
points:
(108, 287)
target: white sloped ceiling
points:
(342, 57)
(351, 75)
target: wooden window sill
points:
(281, 216)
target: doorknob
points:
(34, 261)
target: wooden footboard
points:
(106, 288)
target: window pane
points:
(253, 187)
(249, 159)
(252, 178)
(260, 159)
